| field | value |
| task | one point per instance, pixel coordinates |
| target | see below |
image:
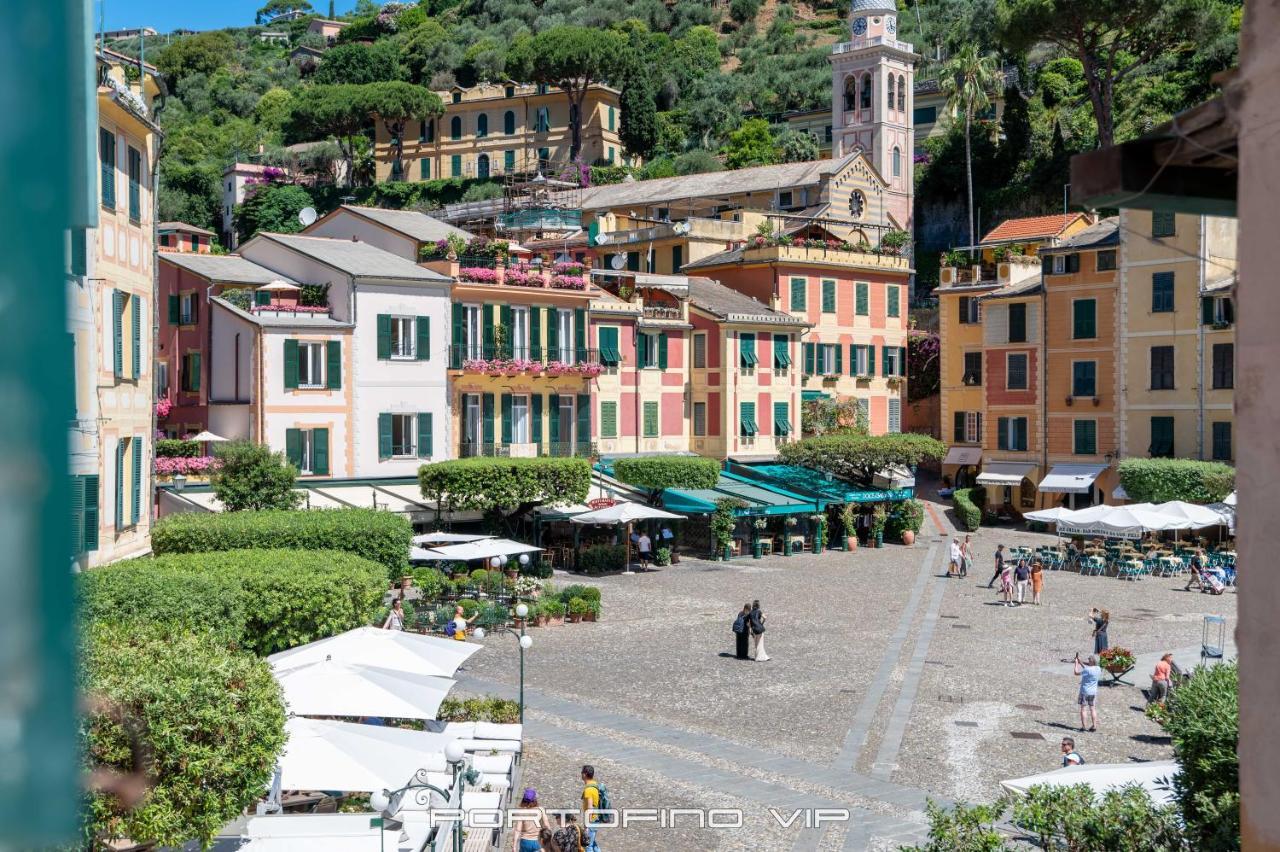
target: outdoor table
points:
(1129, 568)
(1096, 564)
(766, 546)
(1171, 562)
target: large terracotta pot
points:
(908, 537)
(851, 542)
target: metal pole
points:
(522, 623)
(457, 826)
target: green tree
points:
(797, 146)
(505, 489)
(572, 58)
(395, 105)
(752, 144)
(696, 162)
(860, 457)
(429, 50)
(208, 722)
(274, 8)
(744, 11)
(320, 111)
(251, 476)
(202, 53)
(639, 130)
(1112, 39)
(966, 81)
(1203, 719)
(273, 109)
(359, 63)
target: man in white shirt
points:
(957, 558)
(643, 546)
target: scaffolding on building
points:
(541, 199)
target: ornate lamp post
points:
(389, 802)
(526, 642)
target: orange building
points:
(179, 236)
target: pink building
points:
(179, 236)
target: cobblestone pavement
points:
(876, 657)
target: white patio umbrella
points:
(624, 512)
(328, 688)
(387, 649)
(323, 755)
(1197, 515)
(433, 538)
(482, 549)
(206, 435)
(280, 286)
(1104, 776)
(1050, 516)
(1230, 499)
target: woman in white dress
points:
(757, 621)
(395, 618)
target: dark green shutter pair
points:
(1162, 437)
(319, 449)
(333, 364)
(610, 351)
(747, 350)
(781, 351)
(1084, 319)
(1208, 312)
(642, 349)
(261, 297)
(1086, 435)
(422, 331)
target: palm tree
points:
(966, 79)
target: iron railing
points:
(553, 449)
(502, 358)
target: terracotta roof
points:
(1029, 228)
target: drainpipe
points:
(1200, 267)
(1044, 382)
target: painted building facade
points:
(404, 233)
(181, 237)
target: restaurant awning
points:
(810, 395)
(1070, 478)
(761, 498)
(822, 487)
(963, 456)
(1004, 473)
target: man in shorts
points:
(1089, 674)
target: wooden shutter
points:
(871, 360)
(486, 331)
(798, 302)
(77, 515)
(607, 338)
(553, 336)
(1206, 310)
(535, 334)
(839, 358)
(892, 292)
(553, 417)
(781, 418)
(120, 450)
(957, 426)
(426, 435)
(459, 340)
(651, 419)
(333, 364)
(195, 372)
(583, 410)
(422, 330)
(642, 350)
(747, 419)
(261, 297)
(384, 436)
(384, 337)
(828, 296)
(486, 406)
(175, 310)
(862, 300)
(1002, 433)
(293, 447)
(107, 156)
(117, 327)
(902, 361)
(853, 358)
(92, 512)
(662, 350)
(290, 364)
(608, 419)
(506, 418)
(320, 452)
(535, 429)
(580, 335)
(504, 320)
(1073, 263)
(135, 485)
(808, 359)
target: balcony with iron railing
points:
(491, 359)
(872, 41)
(544, 449)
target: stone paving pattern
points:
(875, 659)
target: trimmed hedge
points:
(601, 558)
(383, 537)
(906, 515)
(661, 472)
(210, 723)
(259, 600)
(968, 504)
(1162, 480)
(489, 484)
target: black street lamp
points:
(526, 642)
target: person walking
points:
(1070, 757)
(526, 830)
(457, 628)
(757, 621)
(1101, 620)
(999, 565)
(1161, 680)
(1006, 583)
(957, 558)
(1037, 581)
(742, 632)
(1022, 576)
(644, 544)
(594, 798)
(1089, 674)
(966, 556)
(395, 618)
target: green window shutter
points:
(384, 337)
(1002, 433)
(135, 486)
(261, 297)
(293, 447)
(290, 364)
(506, 418)
(662, 350)
(422, 328)
(747, 350)
(798, 294)
(828, 296)
(1073, 263)
(871, 360)
(747, 416)
(120, 450)
(77, 515)
(884, 360)
(1084, 321)
(455, 164)
(642, 350)
(384, 436)
(608, 419)
(781, 351)
(902, 360)
(839, 358)
(504, 321)
(426, 435)
(117, 320)
(862, 299)
(1206, 310)
(320, 452)
(808, 359)
(459, 340)
(583, 409)
(553, 416)
(611, 118)
(608, 339)
(535, 408)
(892, 293)
(535, 334)
(580, 335)
(195, 372)
(677, 259)
(781, 418)
(424, 169)
(486, 406)
(107, 157)
(175, 310)
(553, 338)
(853, 359)
(486, 331)
(509, 158)
(633, 261)
(92, 512)
(333, 364)
(651, 419)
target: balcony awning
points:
(1004, 473)
(760, 498)
(749, 358)
(749, 426)
(1071, 478)
(963, 456)
(781, 426)
(610, 356)
(781, 357)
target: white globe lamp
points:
(522, 610)
(478, 633)
(524, 559)
(454, 752)
(526, 642)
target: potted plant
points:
(539, 614)
(555, 612)
(847, 519)
(1118, 661)
(879, 517)
(722, 524)
(757, 542)
(819, 532)
(577, 609)
(786, 537)
(593, 610)
(662, 557)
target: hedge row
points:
(484, 484)
(661, 472)
(968, 504)
(1162, 480)
(383, 537)
(259, 600)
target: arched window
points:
(482, 166)
(509, 122)
(482, 125)
(455, 127)
(865, 99)
(902, 93)
(897, 161)
(850, 93)
(890, 103)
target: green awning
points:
(610, 357)
(760, 498)
(810, 395)
(749, 427)
(781, 426)
(749, 358)
(806, 480)
(780, 357)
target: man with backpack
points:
(570, 837)
(741, 632)
(595, 798)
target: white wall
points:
(232, 421)
(305, 408)
(343, 225)
(224, 327)
(303, 269)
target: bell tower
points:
(872, 80)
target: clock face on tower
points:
(857, 204)
(891, 24)
(859, 26)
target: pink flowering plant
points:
(568, 282)
(478, 275)
(523, 276)
(163, 407)
(187, 466)
(292, 308)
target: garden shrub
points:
(259, 600)
(661, 472)
(488, 484)
(486, 708)
(1203, 719)
(383, 537)
(1162, 480)
(600, 558)
(431, 582)
(211, 723)
(577, 590)
(1076, 817)
(906, 515)
(174, 448)
(968, 504)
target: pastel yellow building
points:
(1177, 343)
(494, 129)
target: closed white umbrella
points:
(1105, 776)
(1230, 499)
(328, 688)
(388, 649)
(1050, 516)
(483, 549)
(324, 755)
(434, 538)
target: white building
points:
(235, 179)
(401, 232)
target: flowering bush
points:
(292, 308)
(1117, 658)
(478, 275)
(569, 269)
(523, 276)
(199, 465)
(568, 282)
(163, 407)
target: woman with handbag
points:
(757, 621)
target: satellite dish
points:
(680, 227)
(618, 261)
(601, 239)
(307, 215)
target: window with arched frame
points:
(850, 92)
(902, 93)
(897, 161)
(890, 91)
(455, 127)
(509, 122)
(865, 99)
(482, 166)
(482, 125)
